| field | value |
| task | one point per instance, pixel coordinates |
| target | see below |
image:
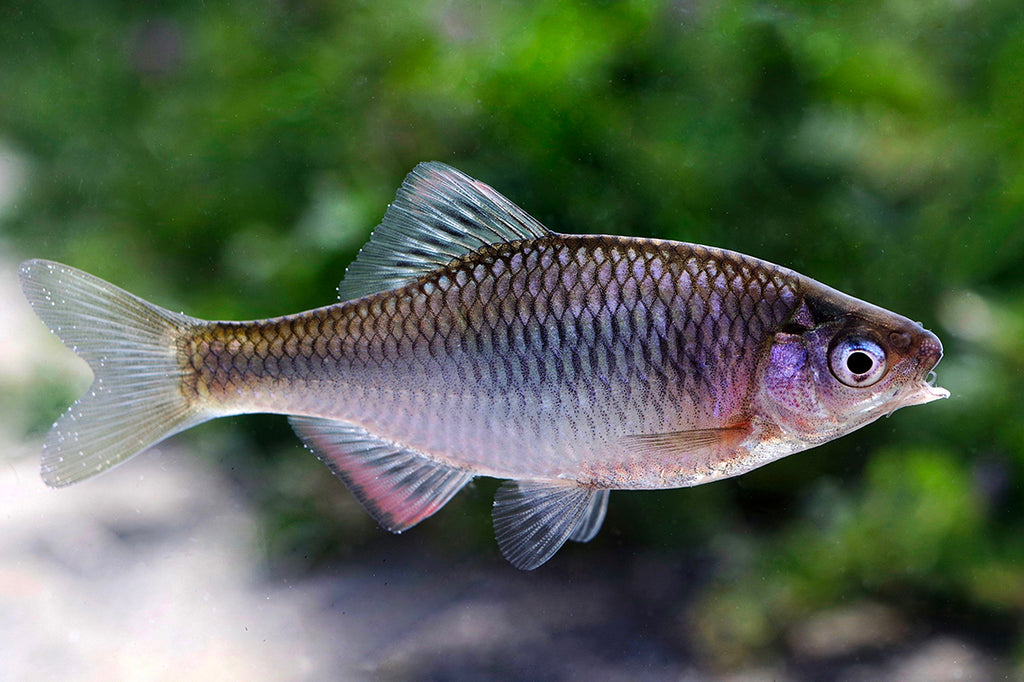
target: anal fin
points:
(532, 520)
(397, 486)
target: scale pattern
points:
(551, 347)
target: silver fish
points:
(472, 341)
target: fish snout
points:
(929, 351)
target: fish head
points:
(842, 364)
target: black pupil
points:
(859, 362)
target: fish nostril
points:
(900, 341)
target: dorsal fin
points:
(438, 214)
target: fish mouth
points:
(925, 391)
(919, 393)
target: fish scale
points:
(481, 322)
(470, 340)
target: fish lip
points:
(928, 393)
(924, 390)
(930, 390)
(922, 394)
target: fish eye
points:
(857, 362)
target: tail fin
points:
(135, 400)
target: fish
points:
(469, 340)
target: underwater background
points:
(228, 159)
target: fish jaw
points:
(924, 394)
(924, 390)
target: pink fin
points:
(683, 442)
(533, 519)
(397, 486)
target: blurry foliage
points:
(229, 158)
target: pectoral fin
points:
(397, 486)
(677, 443)
(532, 520)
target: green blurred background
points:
(229, 158)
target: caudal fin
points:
(135, 400)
